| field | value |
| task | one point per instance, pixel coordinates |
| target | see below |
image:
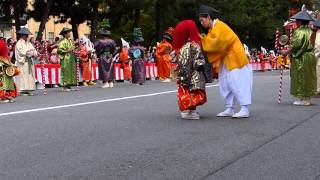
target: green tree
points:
(41, 13)
(254, 21)
(13, 10)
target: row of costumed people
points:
(132, 61)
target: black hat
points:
(139, 40)
(167, 36)
(208, 11)
(302, 15)
(65, 31)
(105, 32)
(24, 31)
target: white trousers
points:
(236, 85)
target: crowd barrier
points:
(52, 72)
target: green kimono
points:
(68, 63)
(303, 64)
(7, 82)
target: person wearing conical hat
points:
(225, 50)
(67, 61)
(105, 49)
(317, 53)
(163, 56)
(25, 54)
(303, 64)
(136, 53)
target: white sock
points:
(245, 109)
(229, 109)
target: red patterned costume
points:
(8, 89)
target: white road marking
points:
(89, 103)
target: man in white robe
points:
(25, 54)
(317, 53)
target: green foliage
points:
(254, 21)
(105, 24)
(13, 10)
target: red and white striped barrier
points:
(151, 70)
(258, 66)
(52, 73)
(118, 72)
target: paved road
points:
(142, 137)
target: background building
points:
(52, 28)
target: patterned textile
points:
(190, 66)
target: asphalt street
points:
(135, 132)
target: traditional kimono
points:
(7, 86)
(68, 63)
(163, 59)
(191, 77)
(85, 64)
(105, 49)
(191, 64)
(317, 53)
(24, 54)
(136, 54)
(124, 58)
(225, 50)
(303, 64)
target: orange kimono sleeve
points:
(83, 54)
(124, 55)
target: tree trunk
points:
(158, 19)
(137, 14)
(44, 20)
(75, 30)
(94, 23)
(19, 8)
(16, 15)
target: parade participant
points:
(317, 53)
(105, 49)
(25, 54)
(190, 70)
(8, 91)
(273, 60)
(136, 53)
(262, 57)
(84, 63)
(303, 65)
(124, 59)
(86, 50)
(224, 49)
(163, 56)
(67, 60)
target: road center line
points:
(89, 103)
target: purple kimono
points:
(105, 49)
(136, 54)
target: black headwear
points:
(208, 11)
(65, 31)
(105, 32)
(302, 15)
(24, 31)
